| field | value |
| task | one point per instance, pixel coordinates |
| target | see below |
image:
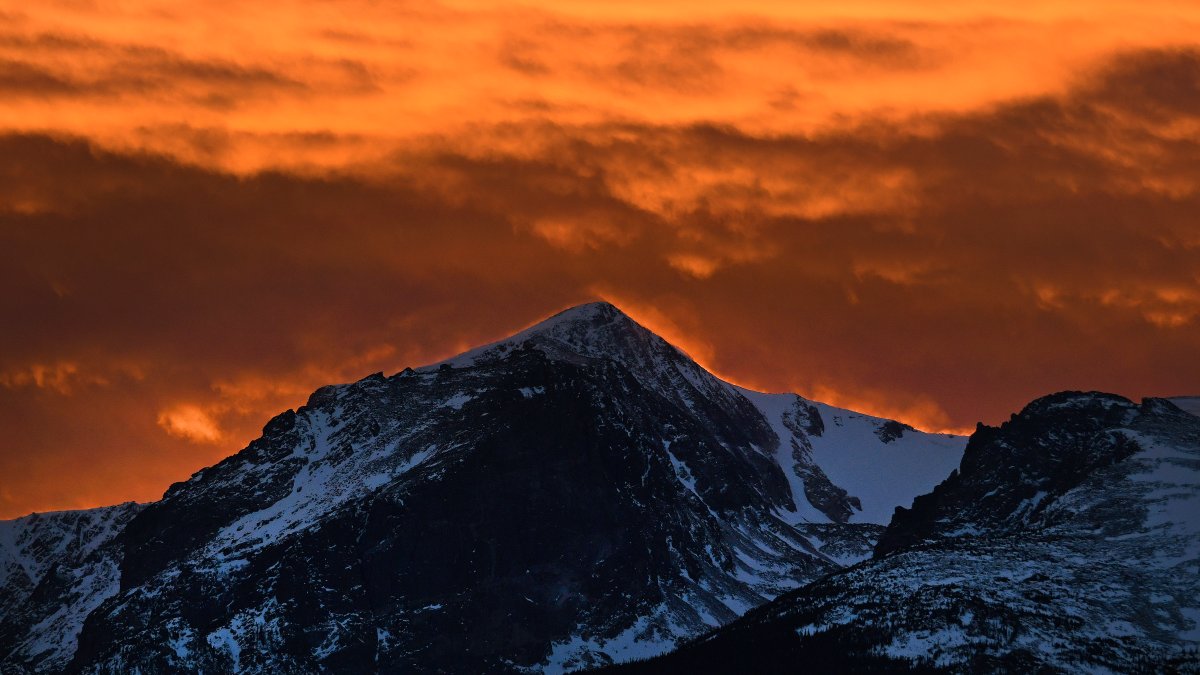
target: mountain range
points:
(584, 494)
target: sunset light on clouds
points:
(931, 211)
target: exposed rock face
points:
(1012, 474)
(1069, 540)
(580, 493)
(892, 430)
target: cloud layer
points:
(933, 216)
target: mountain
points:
(1067, 541)
(580, 493)
(55, 568)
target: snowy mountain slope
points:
(879, 463)
(580, 493)
(55, 568)
(1189, 404)
(1069, 540)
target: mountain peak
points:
(1076, 402)
(588, 310)
(1013, 473)
(598, 312)
(590, 322)
(594, 330)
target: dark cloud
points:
(523, 56)
(688, 57)
(18, 78)
(860, 44)
(47, 66)
(1159, 85)
(48, 42)
(357, 37)
(156, 65)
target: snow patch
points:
(223, 640)
(457, 401)
(639, 641)
(881, 475)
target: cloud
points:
(58, 377)
(394, 73)
(695, 265)
(1157, 85)
(66, 378)
(580, 232)
(64, 66)
(18, 78)
(901, 216)
(190, 422)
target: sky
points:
(933, 211)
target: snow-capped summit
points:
(579, 493)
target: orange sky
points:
(934, 211)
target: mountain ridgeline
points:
(583, 494)
(1068, 541)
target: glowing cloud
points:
(933, 212)
(190, 422)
